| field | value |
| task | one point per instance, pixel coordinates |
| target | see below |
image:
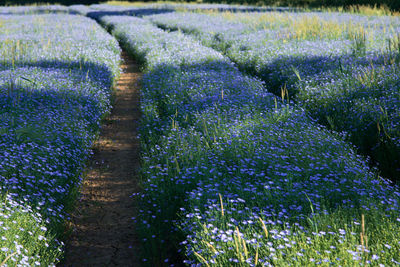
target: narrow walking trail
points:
(103, 232)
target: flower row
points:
(234, 175)
(341, 68)
(55, 86)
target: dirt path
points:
(103, 231)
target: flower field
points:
(342, 68)
(239, 163)
(54, 90)
(237, 176)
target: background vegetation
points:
(61, 2)
(391, 4)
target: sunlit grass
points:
(299, 27)
(368, 10)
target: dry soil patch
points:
(103, 232)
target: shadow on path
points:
(102, 228)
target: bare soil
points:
(103, 232)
